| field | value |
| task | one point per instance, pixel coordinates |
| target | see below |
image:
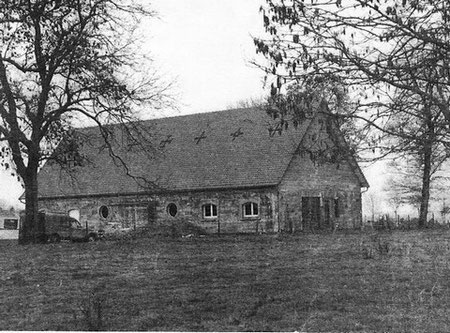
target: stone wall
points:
(319, 190)
(140, 210)
(328, 178)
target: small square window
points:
(209, 211)
(250, 209)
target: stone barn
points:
(235, 171)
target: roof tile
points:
(200, 152)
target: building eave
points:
(156, 192)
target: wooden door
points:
(311, 213)
(327, 213)
(151, 212)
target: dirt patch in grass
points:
(328, 282)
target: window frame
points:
(169, 210)
(212, 207)
(104, 210)
(252, 204)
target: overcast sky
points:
(206, 47)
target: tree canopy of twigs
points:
(371, 46)
(67, 61)
(391, 57)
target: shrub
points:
(175, 230)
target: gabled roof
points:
(340, 141)
(225, 149)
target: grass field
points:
(329, 282)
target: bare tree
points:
(372, 46)
(61, 62)
(418, 139)
(391, 56)
(407, 184)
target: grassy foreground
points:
(330, 282)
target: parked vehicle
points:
(60, 226)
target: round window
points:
(172, 209)
(104, 212)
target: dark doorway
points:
(311, 213)
(327, 213)
(151, 211)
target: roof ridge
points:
(174, 116)
(241, 150)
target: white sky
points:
(206, 46)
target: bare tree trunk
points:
(424, 202)
(426, 175)
(31, 230)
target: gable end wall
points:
(328, 181)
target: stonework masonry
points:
(332, 183)
(263, 180)
(279, 209)
(137, 211)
